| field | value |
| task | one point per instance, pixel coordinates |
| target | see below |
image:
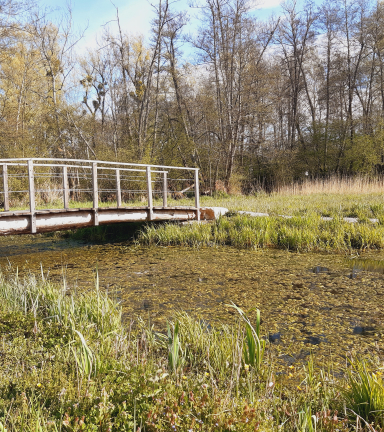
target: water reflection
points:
(355, 272)
(371, 265)
(147, 305)
(275, 337)
(320, 269)
(363, 330)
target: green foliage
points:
(174, 348)
(365, 393)
(254, 347)
(49, 300)
(219, 344)
(297, 233)
(85, 359)
(102, 377)
(306, 421)
(363, 154)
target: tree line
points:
(262, 103)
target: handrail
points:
(94, 166)
(98, 161)
(76, 166)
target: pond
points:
(327, 304)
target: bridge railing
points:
(76, 180)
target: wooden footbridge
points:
(42, 194)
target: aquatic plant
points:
(307, 233)
(306, 421)
(364, 394)
(254, 346)
(174, 348)
(85, 359)
(51, 301)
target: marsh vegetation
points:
(304, 217)
(98, 337)
(119, 336)
(70, 363)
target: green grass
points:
(323, 204)
(358, 197)
(360, 205)
(299, 233)
(303, 231)
(364, 394)
(69, 363)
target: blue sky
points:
(135, 15)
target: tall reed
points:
(49, 300)
(359, 184)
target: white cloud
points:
(265, 4)
(135, 18)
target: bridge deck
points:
(32, 178)
(19, 222)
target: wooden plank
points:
(149, 192)
(197, 195)
(65, 188)
(95, 194)
(165, 189)
(47, 211)
(5, 185)
(187, 188)
(118, 188)
(32, 203)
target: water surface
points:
(323, 303)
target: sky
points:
(135, 15)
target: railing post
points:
(32, 204)
(149, 192)
(118, 188)
(65, 188)
(197, 194)
(95, 194)
(165, 189)
(5, 185)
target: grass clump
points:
(364, 394)
(308, 233)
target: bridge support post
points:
(165, 189)
(32, 203)
(95, 194)
(149, 191)
(197, 194)
(65, 188)
(118, 188)
(5, 185)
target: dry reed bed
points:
(335, 185)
